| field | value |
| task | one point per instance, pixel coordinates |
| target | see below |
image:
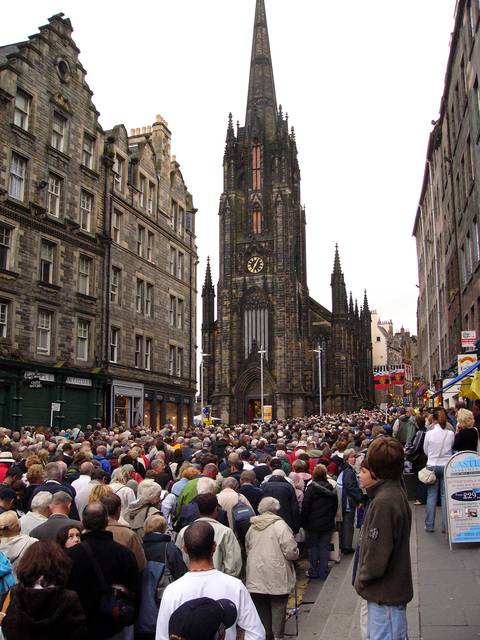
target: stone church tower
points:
(263, 302)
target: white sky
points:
(361, 82)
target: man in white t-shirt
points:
(203, 580)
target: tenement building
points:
(266, 321)
(89, 221)
(446, 222)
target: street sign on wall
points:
(465, 360)
(468, 339)
(462, 493)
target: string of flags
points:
(383, 380)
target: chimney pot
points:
(144, 129)
(132, 132)
(137, 131)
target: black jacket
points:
(466, 440)
(52, 487)
(156, 545)
(319, 507)
(279, 488)
(44, 614)
(252, 494)
(118, 565)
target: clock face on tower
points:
(255, 264)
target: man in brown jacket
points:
(384, 574)
(122, 532)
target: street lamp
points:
(319, 351)
(262, 352)
(202, 356)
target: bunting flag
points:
(475, 386)
(381, 380)
(397, 377)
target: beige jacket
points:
(271, 550)
(228, 556)
(227, 499)
(128, 538)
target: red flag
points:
(397, 377)
(382, 381)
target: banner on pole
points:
(267, 412)
(462, 494)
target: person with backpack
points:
(164, 565)
(150, 495)
(229, 499)
(271, 552)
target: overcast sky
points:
(361, 82)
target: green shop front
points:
(40, 396)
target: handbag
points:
(427, 476)
(335, 547)
(117, 604)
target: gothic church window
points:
(255, 327)
(256, 219)
(256, 167)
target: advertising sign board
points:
(267, 412)
(462, 494)
(468, 339)
(465, 361)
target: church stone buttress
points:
(262, 294)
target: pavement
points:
(446, 603)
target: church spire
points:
(207, 285)
(208, 299)
(262, 101)
(339, 291)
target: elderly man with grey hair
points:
(271, 552)
(59, 510)
(54, 474)
(229, 497)
(40, 511)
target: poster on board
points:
(462, 493)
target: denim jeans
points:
(318, 553)
(387, 622)
(432, 495)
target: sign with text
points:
(468, 339)
(267, 412)
(56, 406)
(462, 493)
(465, 360)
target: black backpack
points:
(241, 514)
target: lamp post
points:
(202, 356)
(262, 352)
(319, 351)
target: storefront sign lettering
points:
(79, 382)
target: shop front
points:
(127, 403)
(163, 407)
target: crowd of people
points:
(194, 533)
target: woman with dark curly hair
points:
(68, 537)
(41, 608)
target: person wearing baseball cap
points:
(202, 619)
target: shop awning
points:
(454, 381)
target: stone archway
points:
(247, 394)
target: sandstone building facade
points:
(86, 224)
(263, 301)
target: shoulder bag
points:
(427, 476)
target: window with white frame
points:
(140, 296)
(149, 301)
(4, 306)
(88, 151)
(44, 331)
(151, 198)
(173, 261)
(85, 269)
(172, 311)
(5, 246)
(23, 103)
(172, 359)
(142, 187)
(83, 339)
(174, 218)
(54, 195)
(115, 284)
(118, 172)
(179, 362)
(138, 352)
(47, 261)
(181, 219)
(114, 343)
(86, 208)
(150, 241)
(148, 354)
(180, 314)
(140, 241)
(59, 132)
(16, 182)
(180, 259)
(116, 225)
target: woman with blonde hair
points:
(466, 436)
(119, 486)
(98, 492)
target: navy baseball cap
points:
(202, 619)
